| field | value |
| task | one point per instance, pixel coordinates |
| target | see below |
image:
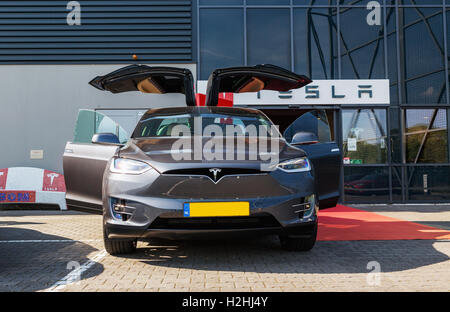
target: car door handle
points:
(335, 150)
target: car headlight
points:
(130, 166)
(295, 165)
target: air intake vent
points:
(215, 223)
(215, 173)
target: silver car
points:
(146, 188)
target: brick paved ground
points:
(254, 265)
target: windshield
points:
(209, 124)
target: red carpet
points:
(345, 224)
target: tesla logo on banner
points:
(53, 182)
(3, 176)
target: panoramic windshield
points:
(216, 124)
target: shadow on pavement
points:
(32, 266)
(10, 223)
(263, 255)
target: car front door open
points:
(84, 162)
(311, 133)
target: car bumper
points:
(149, 211)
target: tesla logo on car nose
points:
(215, 171)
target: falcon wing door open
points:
(251, 79)
(146, 79)
(84, 162)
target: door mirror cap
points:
(106, 139)
(304, 138)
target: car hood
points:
(159, 153)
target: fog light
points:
(120, 209)
(310, 206)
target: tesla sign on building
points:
(320, 92)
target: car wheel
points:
(119, 246)
(293, 243)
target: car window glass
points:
(158, 126)
(90, 122)
(314, 121)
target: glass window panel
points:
(391, 2)
(315, 2)
(428, 89)
(393, 95)
(422, 2)
(415, 14)
(221, 39)
(268, 37)
(392, 44)
(221, 2)
(366, 184)
(90, 122)
(368, 62)
(362, 45)
(424, 48)
(315, 48)
(355, 2)
(428, 183)
(355, 29)
(104, 124)
(426, 128)
(314, 121)
(448, 28)
(391, 18)
(392, 58)
(268, 2)
(364, 136)
(84, 126)
(396, 184)
(396, 134)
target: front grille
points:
(219, 174)
(215, 223)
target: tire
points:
(119, 246)
(292, 243)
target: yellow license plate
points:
(216, 209)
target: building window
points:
(366, 184)
(221, 2)
(315, 47)
(364, 136)
(391, 58)
(269, 37)
(362, 45)
(426, 136)
(221, 39)
(426, 183)
(424, 55)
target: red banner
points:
(225, 99)
(17, 197)
(3, 176)
(53, 182)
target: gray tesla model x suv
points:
(204, 171)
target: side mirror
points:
(304, 138)
(106, 139)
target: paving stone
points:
(231, 265)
